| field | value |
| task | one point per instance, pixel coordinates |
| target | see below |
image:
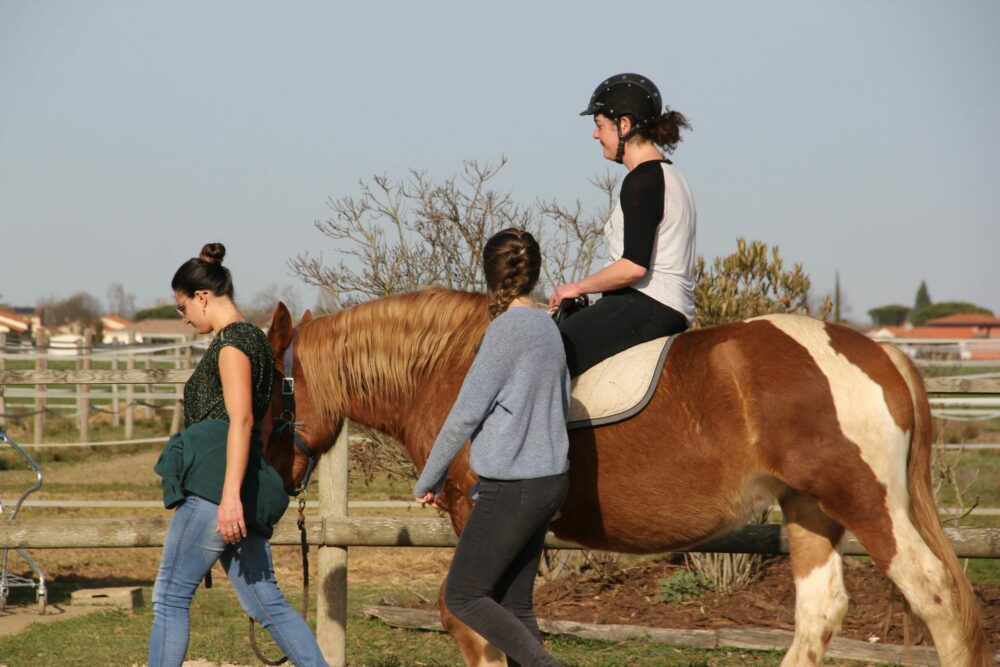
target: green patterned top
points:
(203, 391)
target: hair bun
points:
(213, 253)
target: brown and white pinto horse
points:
(833, 425)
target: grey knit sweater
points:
(513, 405)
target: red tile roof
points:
(964, 320)
(171, 326)
(940, 332)
(13, 321)
(118, 322)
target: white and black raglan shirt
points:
(653, 225)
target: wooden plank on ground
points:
(762, 639)
(404, 617)
(839, 648)
(617, 633)
(423, 619)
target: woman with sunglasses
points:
(226, 498)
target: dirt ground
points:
(632, 597)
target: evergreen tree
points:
(891, 315)
(923, 297)
(836, 299)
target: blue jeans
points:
(191, 549)
(492, 574)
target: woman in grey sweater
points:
(512, 405)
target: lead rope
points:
(305, 588)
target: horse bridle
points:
(286, 420)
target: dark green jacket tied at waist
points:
(193, 462)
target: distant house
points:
(960, 326)
(979, 324)
(162, 331)
(11, 322)
(116, 330)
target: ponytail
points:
(665, 130)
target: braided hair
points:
(511, 263)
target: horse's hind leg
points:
(820, 596)
(923, 579)
(476, 651)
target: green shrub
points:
(680, 586)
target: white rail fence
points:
(40, 402)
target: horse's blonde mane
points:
(385, 348)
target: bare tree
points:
(262, 306)
(82, 307)
(398, 236)
(120, 302)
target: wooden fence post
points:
(130, 388)
(331, 599)
(3, 367)
(183, 361)
(116, 417)
(41, 364)
(149, 409)
(84, 363)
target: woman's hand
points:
(567, 291)
(230, 521)
(428, 499)
(618, 274)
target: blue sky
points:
(859, 137)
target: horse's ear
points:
(306, 316)
(280, 332)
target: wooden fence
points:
(334, 531)
(42, 402)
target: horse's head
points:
(292, 430)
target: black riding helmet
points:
(626, 94)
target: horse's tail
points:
(924, 513)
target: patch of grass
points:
(983, 570)
(219, 633)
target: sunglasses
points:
(182, 309)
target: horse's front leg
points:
(476, 651)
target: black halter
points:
(286, 420)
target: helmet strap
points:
(620, 153)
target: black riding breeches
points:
(614, 323)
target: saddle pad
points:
(619, 386)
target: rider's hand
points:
(568, 291)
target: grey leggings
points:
(492, 573)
